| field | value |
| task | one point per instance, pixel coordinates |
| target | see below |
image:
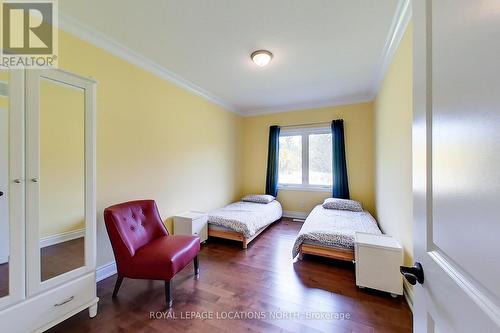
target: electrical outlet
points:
(301, 204)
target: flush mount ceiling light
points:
(261, 57)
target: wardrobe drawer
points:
(36, 312)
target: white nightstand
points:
(191, 223)
(378, 258)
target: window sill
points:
(304, 188)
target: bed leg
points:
(301, 255)
(245, 244)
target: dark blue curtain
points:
(339, 166)
(273, 161)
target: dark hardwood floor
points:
(262, 280)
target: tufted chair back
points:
(131, 225)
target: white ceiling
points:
(326, 52)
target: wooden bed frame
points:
(323, 251)
(233, 235)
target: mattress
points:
(245, 217)
(334, 228)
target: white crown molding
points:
(98, 39)
(306, 106)
(398, 27)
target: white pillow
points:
(342, 204)
(258, 198)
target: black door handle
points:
(413, 274)
(1, 193)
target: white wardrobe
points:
(47, 198)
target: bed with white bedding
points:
(243, 221)
(330, 232)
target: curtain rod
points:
(309, 124)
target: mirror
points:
(4, 184)
(62, 178)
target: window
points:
(305, 158)
(290, 171)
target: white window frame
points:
(305, 132)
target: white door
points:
(457, 165)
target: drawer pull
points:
(65, 301)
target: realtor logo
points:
(29, 34)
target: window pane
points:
(320, 159)
(290, 169)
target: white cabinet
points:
(49, 190)
(378, 258)
(191, 223)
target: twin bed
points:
(243, 221)
(330, 233)
(326, 232)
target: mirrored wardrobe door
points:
(11, 187)
(61, 180)
(56, 177)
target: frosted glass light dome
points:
(261, 57)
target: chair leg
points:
(118, 284)
(196, 266)
(168, 294)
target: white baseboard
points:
(105, 271)
(62, 237)
(294, 215)
(408, 293)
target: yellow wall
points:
(359, 150)
(154, 139)
(393, 133)
(62, 159)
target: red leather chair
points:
(143, 248)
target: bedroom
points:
(172, 105)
